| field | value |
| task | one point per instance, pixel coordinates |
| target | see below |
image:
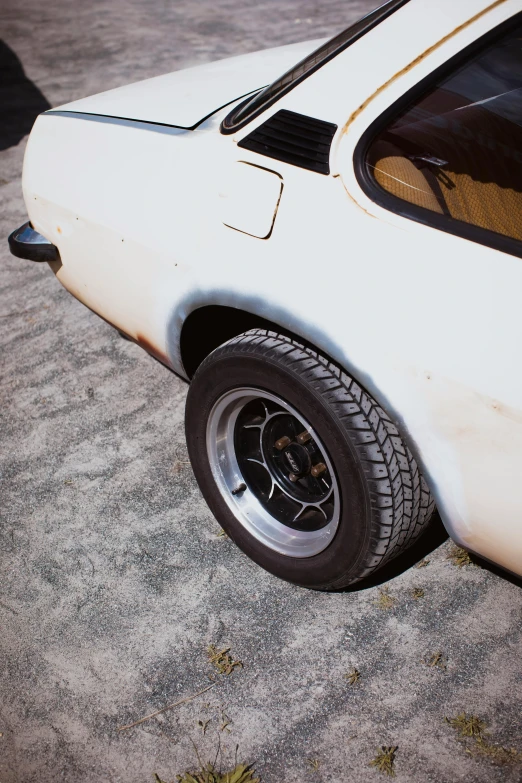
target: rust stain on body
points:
(418, 60)
(507, 411)
(140, 340)
(357, 203)
(145, 343)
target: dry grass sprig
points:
(222, 661)
(164, 709)
(459, 557)
(467, 725)
(384, 761)
(385, 600)
(437, 660)
(352, 676)
(471, 730)
(241, 773)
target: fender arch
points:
(209, 326)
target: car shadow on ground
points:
(20, 100)
(434, 537)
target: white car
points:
(334, 262)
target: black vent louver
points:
(294, 138)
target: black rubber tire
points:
(385, 502)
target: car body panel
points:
(428, 322)
(249, 199)
(185, 98)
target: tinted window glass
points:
(458, 150)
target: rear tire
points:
(369, 503)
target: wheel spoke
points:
(304, 505)
(259, 462)
(322, 510)
(285, 495)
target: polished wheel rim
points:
(273, 472)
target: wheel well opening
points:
(206, 328)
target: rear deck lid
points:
(185, 98)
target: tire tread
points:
(400, 501)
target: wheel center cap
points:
(297, 459)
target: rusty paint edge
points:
(140, 340)
(152, 350)
(418, 60)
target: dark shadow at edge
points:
(497, 570)
(430, 540)
(20, 100)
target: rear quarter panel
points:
(426, 321)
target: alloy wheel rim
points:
(273, 472)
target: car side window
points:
(457, 151)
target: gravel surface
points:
(113, 577)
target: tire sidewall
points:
(343, 557)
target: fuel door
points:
(249, 199)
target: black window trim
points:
(387, 8)
(398, 206)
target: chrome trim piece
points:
(249, 109)
(27, 243)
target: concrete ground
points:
(113, 577)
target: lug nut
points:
(293, 477)
(304, 437)
(282, 443)
(318, 469)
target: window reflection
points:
(458, 150)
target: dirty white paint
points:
(249, 197)
(184, 98)
(428, 322)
